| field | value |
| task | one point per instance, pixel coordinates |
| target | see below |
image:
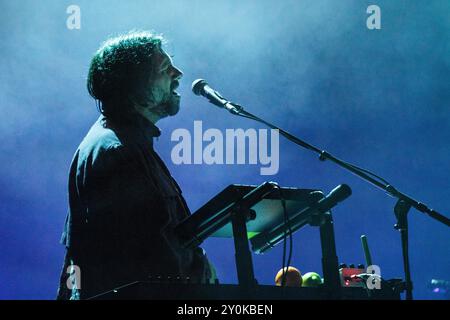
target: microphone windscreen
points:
(341, 192)
(198, 85)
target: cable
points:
(286, 232)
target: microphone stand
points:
(404, 202)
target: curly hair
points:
(120, 69)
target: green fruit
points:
(311, 279)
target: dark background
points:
(377, 98)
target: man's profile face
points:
(162, 85)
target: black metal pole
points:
(330, 265)
(244, 263)
(401, 212)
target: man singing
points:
(123, 202)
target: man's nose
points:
(176, 73)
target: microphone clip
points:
(234, 108)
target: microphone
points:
(201, 88)
(338, 194)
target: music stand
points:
(242, 212)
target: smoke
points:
(376, 97)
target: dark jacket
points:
(123, 206)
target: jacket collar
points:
(133, 125)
